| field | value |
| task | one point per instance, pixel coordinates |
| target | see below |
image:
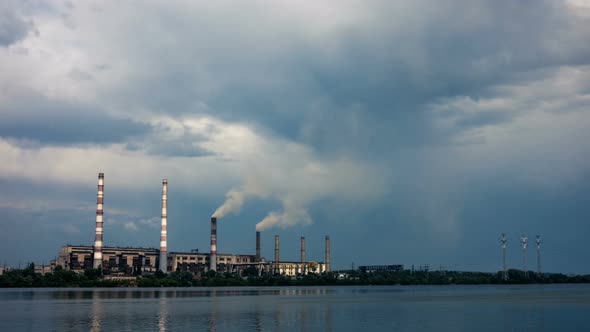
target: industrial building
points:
(121, 261)
(115, 260)
(381, 268)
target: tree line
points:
(94, 278)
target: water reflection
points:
(97, 313)
(163, 315)
(213, 316)
(258, 319)
(295, 309)
(277, 318)
(328, 318)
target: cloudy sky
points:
(411, 132)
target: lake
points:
(367, 308)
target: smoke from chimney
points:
(290, 216)
(234, 199)
(163, 231)
(97, 263)
(213, 254)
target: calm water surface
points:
(372, 308)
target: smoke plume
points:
(286, 218)
(234, 200)
(292, 214)
(288, 173)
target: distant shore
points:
(94, 278)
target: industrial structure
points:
(523, 241)
(293, 268)
(538, 241)
(115, 260)
(213, 254)
(503, 240)
(135, 261)
(99, 215)
(163, 229)
(381, 268)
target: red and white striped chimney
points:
(213, 254)
(97, 263)
(163, 231)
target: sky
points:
(410, 132)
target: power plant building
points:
(134, 261)
(114, 259)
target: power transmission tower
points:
(503, 240)
(523, 241)
(538, 241)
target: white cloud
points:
(168, 64)
(131, 226)
(542, 134)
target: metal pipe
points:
(98, 237)
(163, 230)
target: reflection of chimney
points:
(213, 256)
(257, 246)
(98, 231)
(163, 231)
(327, 260)
(277, 257)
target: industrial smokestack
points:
(303, 249)
(327, 260)
(163, 231)
(97, 263)
(303, 254)
(213, 255)
(257, 246)
(277, 257)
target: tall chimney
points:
(257, 246)
(327, 260)
(213, 255)
(277, 257)
(303, 254)
(97, 263)
(163, 231)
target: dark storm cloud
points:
(179, 149)
(164, 141)
(462, 49)
(36, 118)
(365, 89)
(373, 84)
(13, 27)
(175, 148)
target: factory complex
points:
(127, 261)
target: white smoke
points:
(290, 216)
(290, 173)
(234, 200)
